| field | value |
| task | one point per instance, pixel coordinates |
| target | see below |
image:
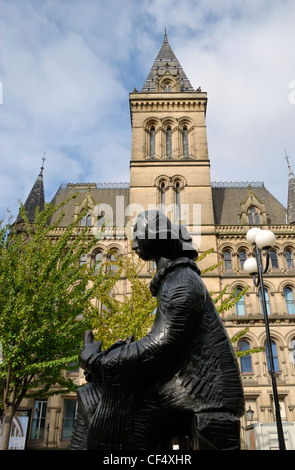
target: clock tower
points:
(169, 165)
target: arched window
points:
(163, 197)
(253, 216)
(266, 301)
(240, 305)
(242, 258)
(292, 351)
(227, 260)
(112, 258)
(275, 356)
(167, 87)
(152, 142)
(168, 142)
(289, 259)
(245, 360)
(98, 260)
(185, 148)
(177, 200)
(86, 220)
(274, 260)
(289, 299)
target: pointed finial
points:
(165, 35)
(291, 175)
(42, 167)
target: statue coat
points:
(152, 388)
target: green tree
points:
(45, 307)
(134, 314)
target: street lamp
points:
(249, 414)
(265, 240)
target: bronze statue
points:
(182, 378)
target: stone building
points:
(170, 168)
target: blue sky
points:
(68, 66)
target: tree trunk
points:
(7, 427)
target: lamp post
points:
(265, 239)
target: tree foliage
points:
(45, 306)
(133, 315)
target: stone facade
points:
(170, 167)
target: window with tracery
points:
(253, 216)
(86, 220)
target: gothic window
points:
(253, 216)
(240, 305)
(152, 142)
(266, 301)
(227, 260)
(167, 87)
(292, 351)
(163, 196)
(275, 356)
(245, 360)
(289, 299)
(112, 258)
(274, 260)
(168, 142)
(185, 148)
(86, 220)
(289, 259)
(242, 259)
(177, 200)
(98, 260)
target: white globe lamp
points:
(252, 233)
(265, 239)
(250, 266)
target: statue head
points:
(156, 237)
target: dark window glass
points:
(227, 260)
(245, 361)
(288, 293)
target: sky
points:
(67, 68)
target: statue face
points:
(145, 249)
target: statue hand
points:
(90, 347)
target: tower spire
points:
(166, 62)
(35, 199)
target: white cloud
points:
(68, 68)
